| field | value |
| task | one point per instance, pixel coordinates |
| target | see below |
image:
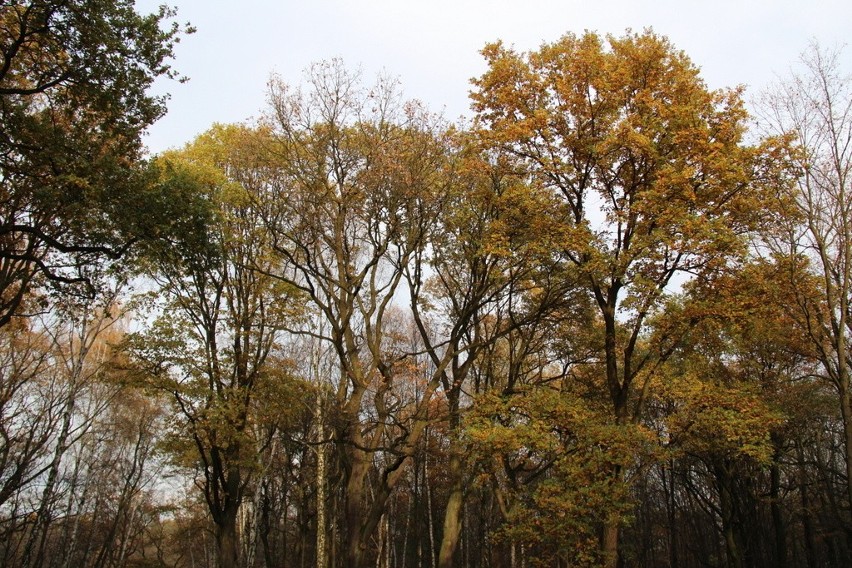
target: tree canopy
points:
(74, 104)
(605, 323)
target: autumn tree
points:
(493, 282)
(216, 346)
(653, 175)
(722, 393)
(737, 408)
(59, 412)
(27, 414)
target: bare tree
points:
(361, 174)
(814, 108)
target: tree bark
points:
(671, 506)
(227, 542)
(321, 497)
(846, 414)
(356, 543)
(807, 522)
(227, 535)
(726, 505)
(452, 516)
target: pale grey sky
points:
(433, 46)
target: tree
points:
(28, 411)
(73, 107)
(216, 347)
(494, 281)
(60, 398)
(549, 453)
(653, 176)
(721, 395)
(734, 407)
(359, 185)
(815, 108)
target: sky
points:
(433, 46)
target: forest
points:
(602, 323)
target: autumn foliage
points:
(602, 324)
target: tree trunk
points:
(356, 540)
(726, 505)
(34, 551)
(807, 523)
(321, 498)
(429, 515)
(227, 542)
(777, 513)
(610, 531)
(452, 516)
(609, 543)
(846, 414)
(671, 506)
(227, 530)
(618, 396)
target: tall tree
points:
(653, 176)
(216, 345)
(49, 418)
(493, 280)
(815, 108)
(361, 174)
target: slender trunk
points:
(124, 514)
(807, 523)
(466, 538)
(265, 522)
(74, 494)
(126, 535)
(381, 542)
(408, 518)
(777, 512)
(321, 497)
(390, 551)
(248, 523)
(452, 515)
(429, 516)
(34, 551)
(671, 506)
(334, 538)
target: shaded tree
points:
(360, 176)
(73, 106)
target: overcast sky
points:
(433, 45)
